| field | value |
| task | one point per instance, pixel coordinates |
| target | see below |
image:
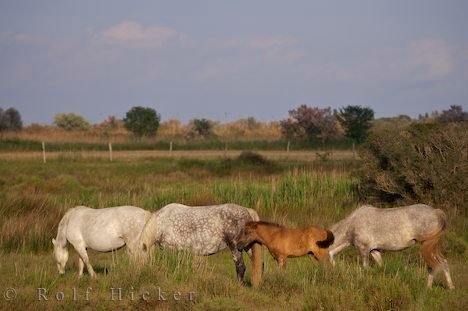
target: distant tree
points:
(201, 128)
(356, 121)
(454, 114)
(142, 121)
(171, 129)
(108, 126)
(252, 123)
(10, 119)
(71, 121)
(310, 123)
(111, 122)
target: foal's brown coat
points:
(285, 242)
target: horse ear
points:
(53, 241)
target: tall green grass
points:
(35, 192)
(33, 198)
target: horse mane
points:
(62, 227)
(146, 237)
(266, 223)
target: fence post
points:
(110, 151)
(43, 153)
(170, 148)
(287, 148)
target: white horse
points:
(102, 230)
(204, 230)
(372, 230)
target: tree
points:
(142, 121)
(10, 119)
(454, 114)
(108, 126)
(356, 121)
(311, 123)
(201, 128)
(71, 121)
(252, 123)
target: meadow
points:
(291, 191)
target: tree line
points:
(303, 123)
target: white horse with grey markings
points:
(204, 230)
(372, 230)
(103, 230)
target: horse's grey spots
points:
(204, 230)
(369, 228)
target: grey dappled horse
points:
(372, 230)
(102, 230)
(203, 230)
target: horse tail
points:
(328, 241)
(430, 248)
(257, 256)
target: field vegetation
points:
(34, 196)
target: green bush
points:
(424, 163)
(71, 121)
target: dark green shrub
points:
(250, 157)
(424, 163)
(142, 121)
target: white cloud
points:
(430, 59)
(420, 61)
(246, 55)
(133, 34)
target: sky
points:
(225, 60)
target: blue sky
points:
(225, 60)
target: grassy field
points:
(15, 143)
(291, 191)
(303, 156)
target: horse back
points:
(202, 229)
(404, 223)
(113, 224)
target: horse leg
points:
(238, 261)
(433, 271)
(282, 263)
(84, 256)
(364, 251)
(80, 267)
(335, 251)
(377, 257)
(446, 269)
(430, 277)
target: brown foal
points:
(285, 242)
